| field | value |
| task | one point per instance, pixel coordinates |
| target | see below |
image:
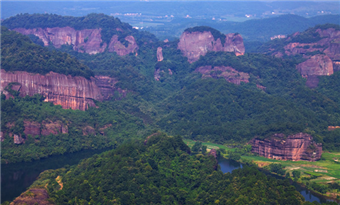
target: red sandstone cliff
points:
(230, 74)
(67, 91)
(316, 65)
(294, 147)
(195, 44)
(84, 41)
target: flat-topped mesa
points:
(197, 43)
(294, 147)
(84, 41)
(65, 90)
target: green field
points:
(326, 170)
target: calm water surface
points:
(229, 165)
(16, 178)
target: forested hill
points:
(19, 53)
(110, 25)
(159, 171)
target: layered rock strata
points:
(84, 41)
(317, 64)
(196, 44)
(65, 90)
(294, 147)
(230, 74)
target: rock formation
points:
(33, 196)
(116, 46)
(18, 139)
(84, 41)
(159, 54)
(195, 44)
(67, 91)
(294, 147)
(230, 74)
(317, 65)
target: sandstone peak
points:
(65, 90)
(194, 44)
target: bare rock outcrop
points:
(67, 91)
(196, 44)
(230, 74)
(33, 196)
(116, 46)
(317, 65)
(294, 147)
(86, 40)
(32, 128)
(18, 139)
(57, 127)
(160, 54)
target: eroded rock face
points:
(88, 130)
(294, 147)
(317, 65)
(36, 196)
(230, 74)
(67, 91)
(18, 139)
(49, 127)
(32, 128)
(86, 40)
(116, 46)
(159, 54)
(195, 44)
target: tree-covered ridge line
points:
(217, 34)
(110, 25)
(160, 170)
(19, 53)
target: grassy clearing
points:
(209, 145)
(326, 170)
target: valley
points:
(71, 84)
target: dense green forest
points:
(162, 171)
(18, 53)
(15, 111)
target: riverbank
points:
(315, 176)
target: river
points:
(16, 178)
(229, 165)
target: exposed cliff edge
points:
(67, 91)
(293, 147)
(228, 73)
(197, 43)
(319, 45)
(84, 41)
